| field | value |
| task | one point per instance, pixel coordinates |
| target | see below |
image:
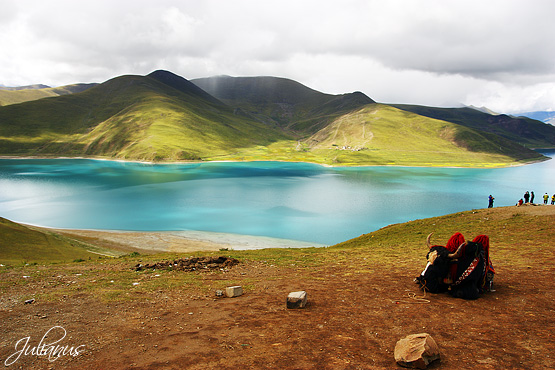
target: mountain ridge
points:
(165, 117)
(129, 117)
(544, 116)
(526, 131)
(281, 101)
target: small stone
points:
(296, 299)
(416, 351)
(29, 301)
(219, 293)
(233, 291)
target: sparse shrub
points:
(132, 254)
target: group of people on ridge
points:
(529, 198)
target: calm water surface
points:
(284, 200)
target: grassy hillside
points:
(527, 227)
(15, 96)
(164, 117)
(19, 243)
(525, 131)
(154, 117)
(507, 227)
(382, 135)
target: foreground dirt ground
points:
(354, 317)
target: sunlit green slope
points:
(525, 131)
(19, 243)
(156, 117)
(383, 135)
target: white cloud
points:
(431, 52)
(513, 98)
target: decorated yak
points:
(460, 267)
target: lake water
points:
(296, 201)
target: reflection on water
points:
(285, 200)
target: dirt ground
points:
(353, 318)
(352, 321)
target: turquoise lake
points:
(296, 201)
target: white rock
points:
(233, 291)
(296, 299)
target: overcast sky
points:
(494, 53)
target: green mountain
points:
(16, 95)
(281, 102)
(353, 129)
(380, 133)
(154, 117)
(163, 116)
(525, 131)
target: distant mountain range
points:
(523, 130)
(21, 94)
(544, 116)
(28, 87)
(164, 117)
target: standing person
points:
(553, 200)
(545, 198)
(526, 197)
(490, 200)
(532, 197)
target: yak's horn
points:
(428, 240)
(458, 252)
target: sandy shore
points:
(191, 241)
(177, 241)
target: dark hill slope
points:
(154, 117)
(282, 102)
(184, 86)
(523, 130)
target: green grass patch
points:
(518, 240)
